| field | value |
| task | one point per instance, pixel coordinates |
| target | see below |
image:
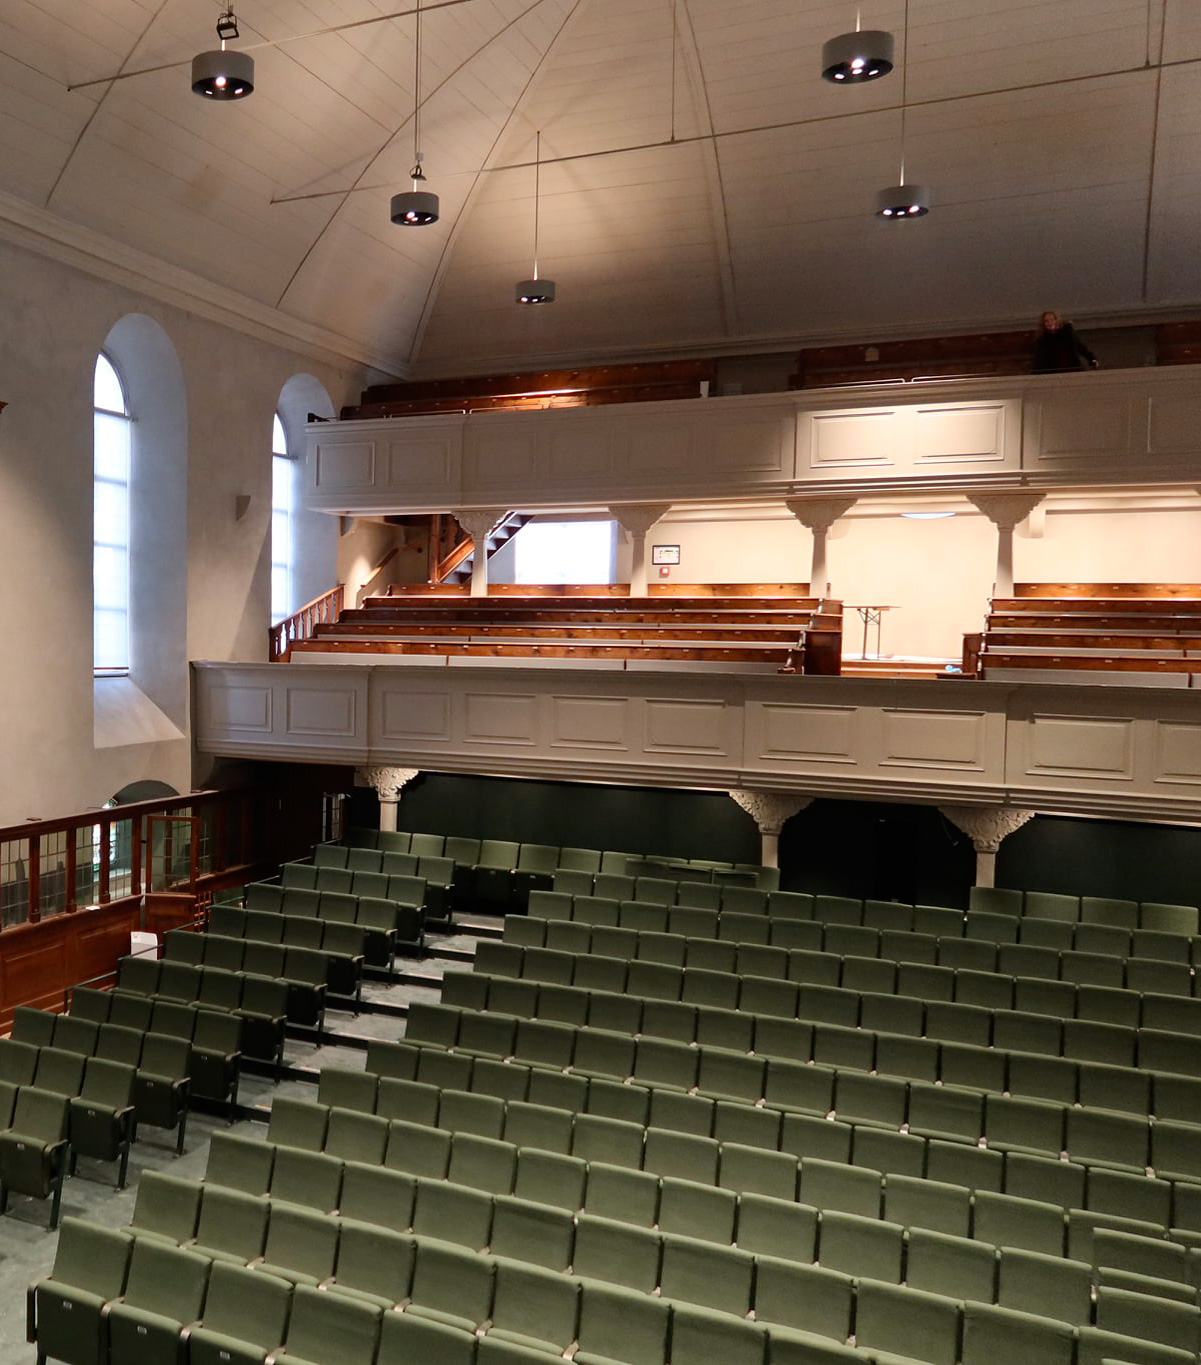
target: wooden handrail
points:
(301, 625)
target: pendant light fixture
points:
(901, 202)
(416, 207)
(852, 58)
(223, 74)
(535, 290)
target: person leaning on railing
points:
(1058, 347)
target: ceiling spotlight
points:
(902, 201)
(415, 207)
(536, 290)
(852, 58)
(223, 75)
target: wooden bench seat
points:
(779, 655)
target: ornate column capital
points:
(769, 810)
(638, 518)
(388, 782)
(1005, 510)
(479, 521)
(819, 514)
(987, 826)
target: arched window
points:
(112, 446)
(282, 479)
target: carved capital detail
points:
(769, 810)
(638, 518)
(1005, 510)
(479, 522)
(819, 514)
(987, 826)
(388, 782)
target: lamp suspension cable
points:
(535, 289)
(675, 43)
(416, 207)
(901, 201)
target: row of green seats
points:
(383, 923)
(436, 871)
(342, 946)
(1106, 910)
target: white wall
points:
(54, 321)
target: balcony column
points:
(986, 827)
(637, 519)
(817, 515)
(388, 783)
(478, 524)
(1005, 510)
(769, 810)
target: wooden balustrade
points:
(301, 625)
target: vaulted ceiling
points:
(707, 192)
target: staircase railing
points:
(302, 624)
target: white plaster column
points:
(986, 827)
(388, 783)
(817, 515)
(1005, 510)
(478, 524)
(769, 810)
(637, 519)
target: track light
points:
(536, 290)
(415, 207)
(852, 58)
(221, 74)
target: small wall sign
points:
(665, 554)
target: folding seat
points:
(357, 1137)
(805, 1136)
(1160, 1051)
(731, 1030)
(227, 921)
(834, 909)
(995, 900)
(669, 950)
(759, 960)
(240, 1163)
(695, 1273)
(245, 1317)
(865, 974)
(64, 1308)
(792, 1085)
(1037, 995)
(734, 927)
(926, 983)
(507, 995)
(394, 863)
(937, 921)
(466, 990)
(830, 1185)
(1007, 1221)
(330, 855)
(1141, 1255)
(1151, 975)
(1048, 934)
(888, 915)
(654, 890)
(433, 1025)
(72, 1034)
(1091, 969)
(1157, 946)
(907, 1323)
(692, 1210)
(686, 1156)
(640, 918)
(1047, 1179)
(917, 1059)
(710, 954)
(1029, 959)
(701, 1335)
(674, 1111)
(507, 1081)
(1149, 1318)
(1168, 919)
(617, 1323)
(558, 1090)
(1097, 1347)
(544, 1042)
(114, 1043)
(885, 1013)
(33, 1148)
(1101, 938)
(707, 896)
(1167, 1013)
(325, 1326)
(481, 1115)
(888, 1152)
(100, 1123)
(616, 946)
(444, 883)
(957, 1163)
(226, 953)
(1050, 1286)
(164, 1292)
(991, 928)
(585, 860)
(829, 1005)
(377, 1195)
(790, 904)
(898, 946)
(548, 905)
(1084, 1226)
(1114, 1087)
(655, 980)
(622, 1194)
(813, 968)
(596, 911)
(1017, 1031)
(617, 1253)
(163, 1086)
(536, 1233)
(87, 1003)
(669, 1020)
(1048, 1078)
(759, 995)
(1174, 1097)
(808, 1298)
(310, 1179)
(532, 1308)
(36, 1027)
(417, 1149)
(263, 959)
(263, 1012)
(1096, 1136)
(747, 1124)
(731, 1074)
(537, 1125)
(944, 1112)
(1108, 1005)
(301, 1245)
(452, 1213)
(1130, 1195)
(482, 1163)
(179, 945)
(498, 959)
(488, 1034)
(219, 990)
(972, 1067)
(231, 1227)
(534, 869)
(167, 1207)
(851, 940)
(861, 1246)
(959, 1023)
(992, 1334)
(967, 954)
(753, 1170)
(215, 1057)
(878, 1100)
(743, 900)
(1012, 1123)
(300, 903)
(332, 879)
(665, 1062)
(927, 1204)
(599, 1052)
(794, 933)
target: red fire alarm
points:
(664, 571)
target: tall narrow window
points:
(282, 471)
(110, 521)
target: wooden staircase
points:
(455, 567)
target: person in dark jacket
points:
(1058, 347)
